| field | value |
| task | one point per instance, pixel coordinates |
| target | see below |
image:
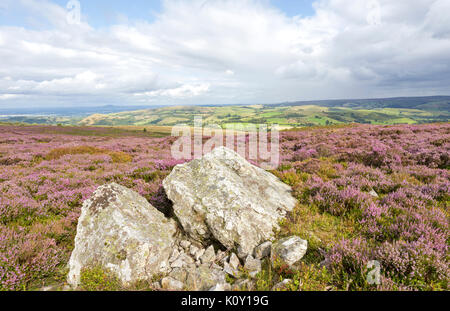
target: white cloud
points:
(184, 91)
(186, 54)
(8, 96)
(437, 20)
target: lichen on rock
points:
(289, 250)
(223, 197)
(220, 203)
(120, 231)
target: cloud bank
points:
(227, 52)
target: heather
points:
(364, 193)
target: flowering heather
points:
(47, 172)
(404, 225)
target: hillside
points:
(439, 103)
(362, 192)
(408, 110)
(377, 111)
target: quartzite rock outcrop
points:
(219, 197)
(223, 197)
(119, 230)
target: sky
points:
(187, 52)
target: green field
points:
(291, 116)
(288, 115)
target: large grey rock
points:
(222, 196)
(120, 231)
(289, 250)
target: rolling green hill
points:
(283, 115)
(295, 114)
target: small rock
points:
(170, 283)
(223, 260)
(243, 284)
(188, 259)
(216, 266)
(209, 255)
(253, 274)
(252, 265)
(263, 250)
(234, 261)
(220, 254)
(50, 288)
(191, 266)
(289, 250)
(229, 270)
(179, 274)
(373, 193)
(177, 263)
(156, 285)
(199, 253)
(182, 261)
(204, 277)
(193, 250)
(185, 244)
(281, 285)
(241, 254)
(174, 256)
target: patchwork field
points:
(290, 116)
(46, 172)
(412, 110)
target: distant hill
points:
(401, 110)
(432, 103)
(294, 114)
